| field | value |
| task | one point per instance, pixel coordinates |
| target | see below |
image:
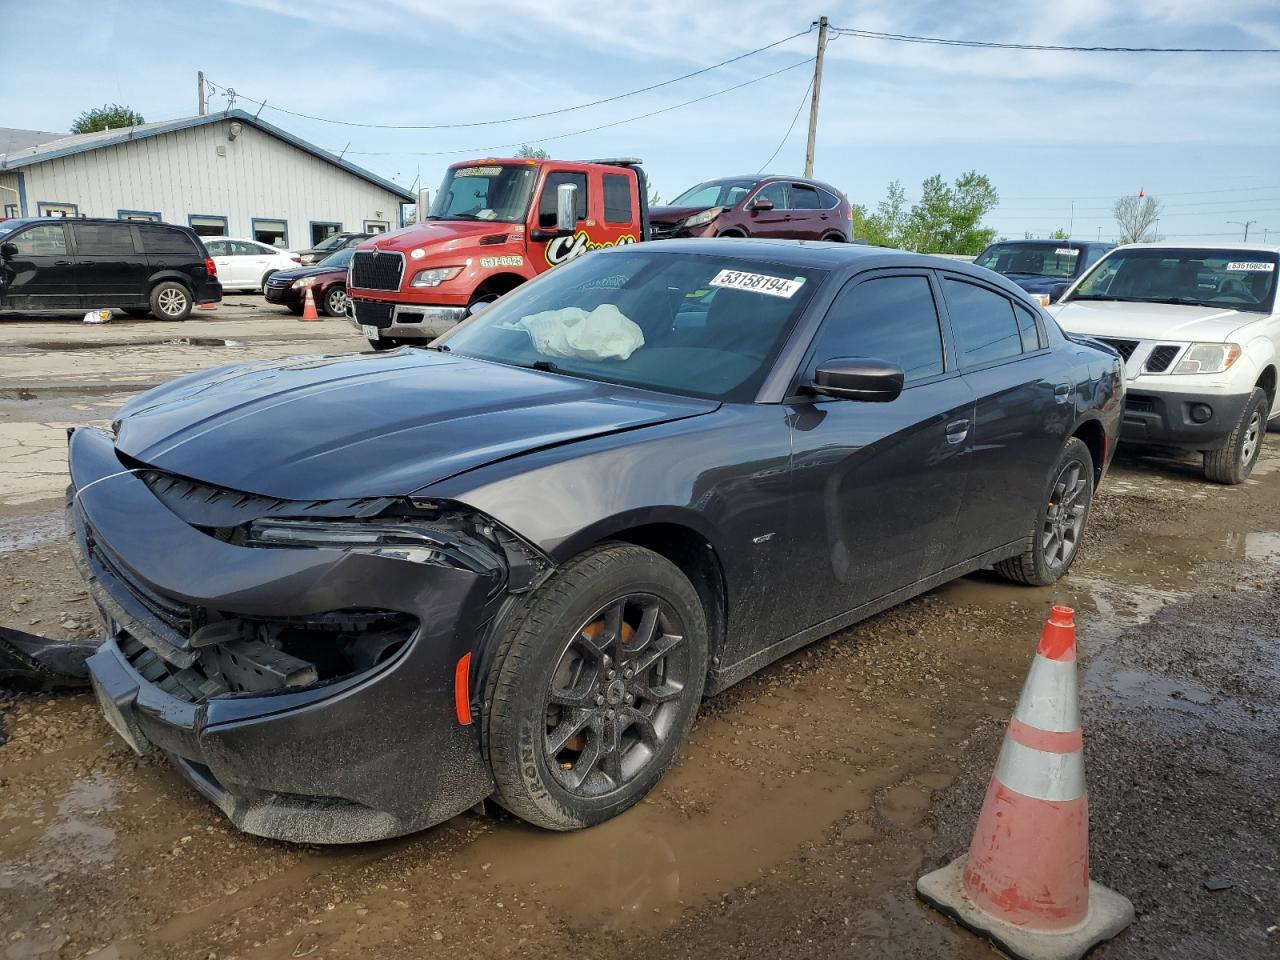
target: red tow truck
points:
(493, 225)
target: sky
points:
(1061, 135)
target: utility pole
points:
(1246, 224)
(817, 92)
(200, 89)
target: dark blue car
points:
(1038, 266)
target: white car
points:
(246, 264)
(1198, 328)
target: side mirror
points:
(424, 203)
(762, 203)
(566, 209)
(1057, 290)
(8, 250)
(859, 378)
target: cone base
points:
(1109, 913)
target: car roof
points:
(825, 255)
(1073, 244)
(154, 223)
(1217, 245)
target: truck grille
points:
(1124, 347)
(372, 313)
(376, 270)
(1161, 357)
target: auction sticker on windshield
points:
(757, 283)
(1247, 266)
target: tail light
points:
(210, 267)
(296, 259)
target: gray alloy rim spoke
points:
(581, 694)
(643, 636)
(657, 650)
(1250, 439)
(567, 729)
(664, 693)
(586, 763)
(611, 752)
(1064, 518)
(632, 719)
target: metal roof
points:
(12, 140)
(66, 145)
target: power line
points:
(575, 133)
(1061, 48)
(530, 116)
(791, 126)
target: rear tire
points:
(295, 308)
(384, 343)
(334, 303)
(1234, 461)
(262, 287)
(593, 689)
(170, 300)
(1054, 541)
(137, 311)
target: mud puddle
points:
(32, 530)
(44, 346)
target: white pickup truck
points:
(1199, 330)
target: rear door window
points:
(45, 240)
(103, 239)
(547, 206)
(804, 197)
(885, 318)
(1033, 337)
(166, 241)
(983, 323)
(617, 198)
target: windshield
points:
(1232, 279)
(715, 193)
(1031, 259)
(331, 241)
(705, 325)
(485, 192)
(342, 258)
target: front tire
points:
(1234, 461)
(1054, 541)
(335, 301)
(384, 343)
(262, 287)
(170, 300)
(594, 687)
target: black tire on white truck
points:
(1234, 460)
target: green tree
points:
(1059, 234)
(884, 228)
(527, 152)
(107, 116)
(948, 217)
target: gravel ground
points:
(806, 803)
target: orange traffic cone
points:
(309, 307)
(1025, 882)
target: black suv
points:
(48, 263)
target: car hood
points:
(672, 214)
(1151, 321)
(1034, 283)
(439, 235)
(329, 427)
(302, 272)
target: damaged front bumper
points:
(310, 693)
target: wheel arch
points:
(1267, 384)
(1094, 436)
(498, 284)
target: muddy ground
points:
(808, 800)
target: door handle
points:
(1062, 393)
(62, 263)
(957, 430)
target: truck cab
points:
(493, 225)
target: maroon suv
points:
(756, 206)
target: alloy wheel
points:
(1251, 435)
(1064, 520)
(615, 695)
(337, 302)
(172, 302)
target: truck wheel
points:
(170, 300)
(384, 343)
(1054, 540)
(594, 687)
(731, 233)
(484, 298)
(1234, 461)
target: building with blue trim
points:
(224, 174)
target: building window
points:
(10, 211)
(274, 233)
(322, 231)
(145, 216)
(207, 225)
(56, 209)
(376, 226)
